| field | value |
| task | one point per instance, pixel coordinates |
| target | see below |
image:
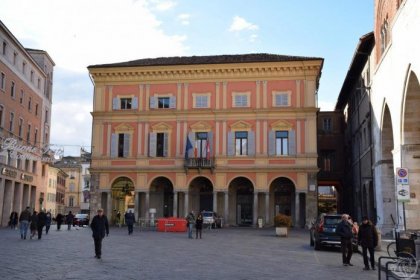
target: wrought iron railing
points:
(199, 163)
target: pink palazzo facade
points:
(234, 134)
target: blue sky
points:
(78, 33)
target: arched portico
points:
(162, 197)
(201, 194)
(241, 202)
(122, 195)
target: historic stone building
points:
(395, 98)
(235, 134)
(25, 117)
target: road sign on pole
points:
(402, 176)
(403, 193)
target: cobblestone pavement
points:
(229, 253)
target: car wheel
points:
(317, 246)
(311, 241)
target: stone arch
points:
(282, 193)
(122, 195)
(162, 196)
(201, 194)
(241, 201)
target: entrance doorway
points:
(242, 192)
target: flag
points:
(207, 149)
(195, 150)
(188, 147)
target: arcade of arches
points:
(239, 204)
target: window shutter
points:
(115, 103)
(126, 150)
(231, 144)
(191, 135)
(251, 143)
(152, 144)
(135, 103)
(272, 143)
(153, 102)
(165, 144)
(292, 143)
(210, 136)
(114, 145)
(172, 102)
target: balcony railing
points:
(199, 163)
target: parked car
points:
(211, 218)
(323, 232)
(81, 220)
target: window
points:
(46, 116)
(281, 99)
(39, 83)
(241, 143)
(1, 115)
(4, 48)
(12, 90)
(71, 201)
(163, 102)
(36, 109)
(20, 127)
(12, 116)
(327, 160)
(34, 164)
(200, 148)
(22, 94)
(327, 126)
(201, 101)
(241, 100)
(29, 103)
(28, 134)
(23, 67)
(32, 76)
(384, 36)
(15, 58)
(2, 81)
(282, 143)
(120, 145)
(72, 187)
(125, 103)
(158, 144)
(36, 136)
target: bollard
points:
(260, 222)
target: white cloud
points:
(79, 33)
(184, 19)
(240, 24)
(164, 5)
(253, 38)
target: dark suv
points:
(323, 232)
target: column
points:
(17, 200)
(255, 209)
(175, 210)
(2, 200)
(267, 208)
(226, 214)
(215, 201)
(186, 210)
(147, 204)
(137, 205)
(297, 210)
(109, 205)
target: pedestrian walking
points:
(47, 221)
(190, 223)
(198, 225)
(129, 221)
(59, 220)
(34, 224)
(368, 239)
(69, 220)
(118, 219)
(344, 230)
(99, 228)
(42, 219)
(13, 220)
(24, 219)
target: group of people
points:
(367, 238)
(192, 222)
(34, 221)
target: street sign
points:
(403, 192)
(402, 176)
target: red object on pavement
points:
(171, 224)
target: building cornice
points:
(220, 72)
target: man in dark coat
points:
(368, 239)
(129, 220)
(344, 230)
(59, 220)
(42, 218)
(69, 220)
(99, 227)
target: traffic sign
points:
(403, 192)
(402, 176)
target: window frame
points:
(163, 105)
(281, 95)
(241, 143)
(281, 143)
(2, 81)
